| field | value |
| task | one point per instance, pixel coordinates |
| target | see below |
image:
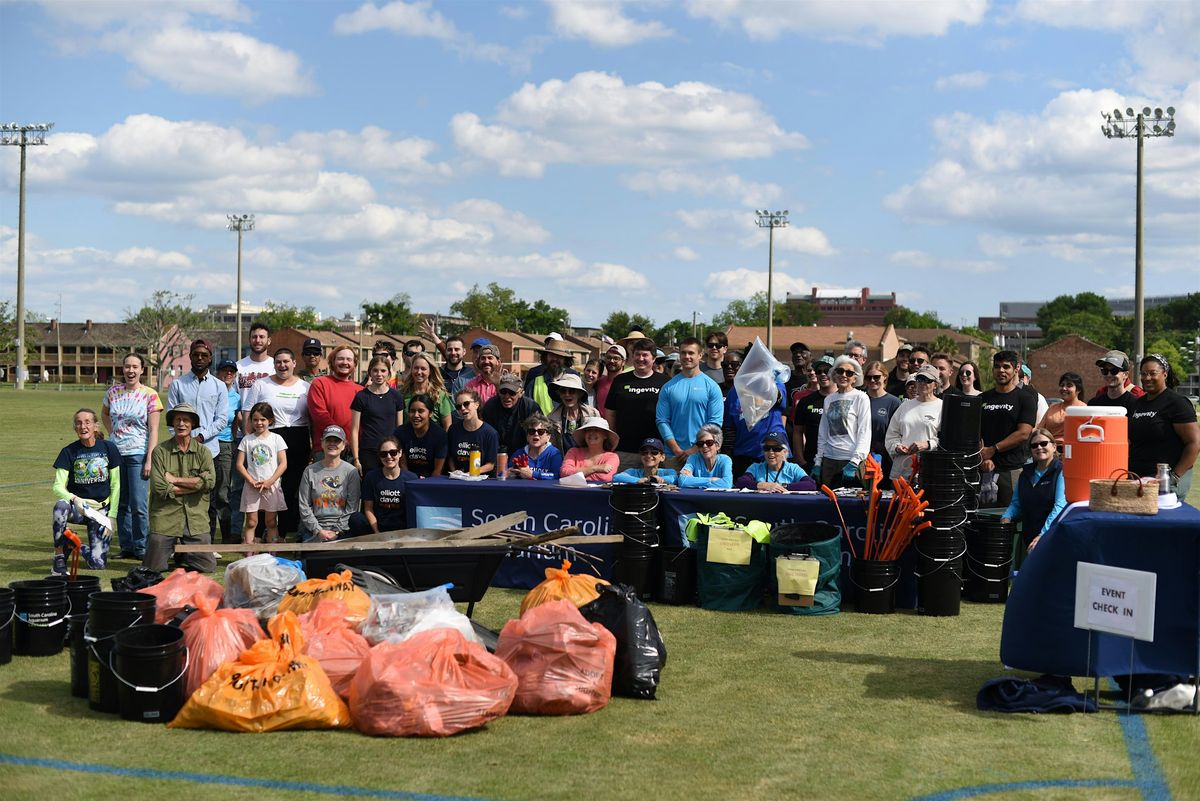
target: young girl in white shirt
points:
(261, 460)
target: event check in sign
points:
(1115, 600)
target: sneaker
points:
(60, 565)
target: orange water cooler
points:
(1095, 444)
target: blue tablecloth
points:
(1039, 623)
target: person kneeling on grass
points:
(329, 491)
(262, 461)
(181, 477)
(652, 454)
(383, 492)
(87, 474)
(775, 473)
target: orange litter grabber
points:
(845, 528)
(73, 538)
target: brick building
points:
(1072, 353)
(847, 307)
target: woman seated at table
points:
(538, 459)
(422, 444)
(383, 493)
(594, 460)
(652, 454)
(1040, 493)
(775, 473)
(709, 467)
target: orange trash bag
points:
(305, 596)
(564, 664)
(434, 684)
(561, 584)
(327, 639)
(271, 687)
(177, 591)
(215, 636)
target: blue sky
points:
(600, 155)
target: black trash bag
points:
(138, 579)
(641, 654)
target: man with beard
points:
(310, 360)
(1006, 419)
(251, 368)
(487, 373)
(455, 371)
(801, 356)
(206, 394)
(1115, 388)
(630, 404)
(614, 363)
(806, 418)
(687, 402)
(330, 396)
(506, 413)
(945, 370)
(558, 358)
(898, 377)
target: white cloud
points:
(419, 20)
(602, 22)
(684, 253)
(867, 22)
(372, 148)
(911, 258)
(102, 13)
(802, 240)
(725, 185)
(151, 257)
(963, 80)
(742, 283)
(513, 225)
(563, 267)
(596, 118)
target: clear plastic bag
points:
(755, 382)
(259, 583)
(394, 618)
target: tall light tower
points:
(1129, 126)
(771, 220)
(239, 223)
(22, 136)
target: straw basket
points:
(1127, 493)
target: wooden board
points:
(345, 547)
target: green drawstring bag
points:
(820, 541)
(727, 587)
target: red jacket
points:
(329, 405)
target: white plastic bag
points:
(394, 618)
(259, 582)
(755, 382)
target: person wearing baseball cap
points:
(181, 478)
(1027, 385)
(206, 394)
(614, 365)
(488, 370)
(330, 490)
(774, 473)
(801, 358)
(652, 454)
(1115, 386)
(914, 427)
(310, 360)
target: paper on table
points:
(461, 476)
(574, 480)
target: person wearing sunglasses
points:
(383, 492)
(914, 426)
(422, 444)
(775, 473)
(1115, 387)
(707, 467)
(570, 411)
(883, 408)
(537, 459)
(844, 436)
(806, 418)
(1162, 427)
(652, 455)
(1005, 422)
(507, 413)
(716, 343)
(1040, 494)
(966, 380)
(471, 433)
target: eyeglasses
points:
(822, 372)
(708, 443)
(916, 360)
(392, 454)
(875, 377)
(508, 393)
(922, 379)
(536, 432)
(463, 405)
(1110, 370)
(1043, 444)
(772, 448)
(714, 344)
(843, 371)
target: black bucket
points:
(875, 585)
(109, 613)
(148, 663)
(8, 613)
(78, 590)
(959, 428)
(939, 576)
(676, 577)
(635, 517)
(989, 561)
(40, 617)
(636, 570)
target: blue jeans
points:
(133, 519)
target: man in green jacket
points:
(182, 474)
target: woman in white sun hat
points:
(594, 459)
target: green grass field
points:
(752, 706)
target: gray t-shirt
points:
(328, 496)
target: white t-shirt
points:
(290, 404)
(262, 454)
(250, 373)
(914, 421)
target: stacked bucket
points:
(635, 518)
(949, 477)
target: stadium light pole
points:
(1138, 126)
(22, 136)
(239, 223)
(771, 220)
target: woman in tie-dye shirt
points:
(131, 413)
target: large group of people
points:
(268, 447)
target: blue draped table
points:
(1039, 624)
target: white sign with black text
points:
(1115, 600)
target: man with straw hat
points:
(557, 358)
(182, 475)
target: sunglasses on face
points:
(463, 405)
(392, 454)
(874, 378)
(772, 448)
(536, 432)
(821, 372)
(649, 451)
(1043, 444)
(917, 360)
(924, 380)
(1109, 371)
(843, 372)
(708, 443)
(714, 344)
(508, 393)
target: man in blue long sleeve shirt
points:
(206, 393)
(687, 402)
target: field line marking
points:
(26, 484)
(1040, 784)
(235, 781)
(1146, 770)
